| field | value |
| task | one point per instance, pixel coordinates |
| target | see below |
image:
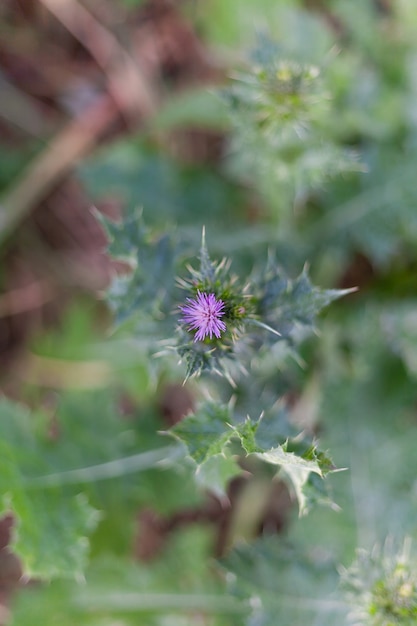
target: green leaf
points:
(246, 432)
(286, 303)
(147, 288)
(52, 527)
(377, 215)
(283, 584)
(295, 470)
(274, 427)
(197, 356)
(170, 192)
(119, 590)
(206, 435)
(279, 456)
(206, 432)
(400, 326)
(216, 473)
(52, 532)
(93, 455)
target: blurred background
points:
(110, 106)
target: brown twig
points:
(126, 82)
(134, 97)
(54, 163)
(21, 110)
(26, 298)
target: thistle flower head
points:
(203, 314)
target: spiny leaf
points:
(303, 301)
(124, 237)
(216, 473)
(206, 435)
(246, 432)
(295, 469)
(147, 288)
(274, 427)
(206, 432)
(285, 302)
(198, 358)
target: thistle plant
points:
(224, 320)
(213, 316)
(279, 110)
(381, 586)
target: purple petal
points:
(203, 315)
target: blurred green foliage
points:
(354, 221)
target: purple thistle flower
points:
(204, 314)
